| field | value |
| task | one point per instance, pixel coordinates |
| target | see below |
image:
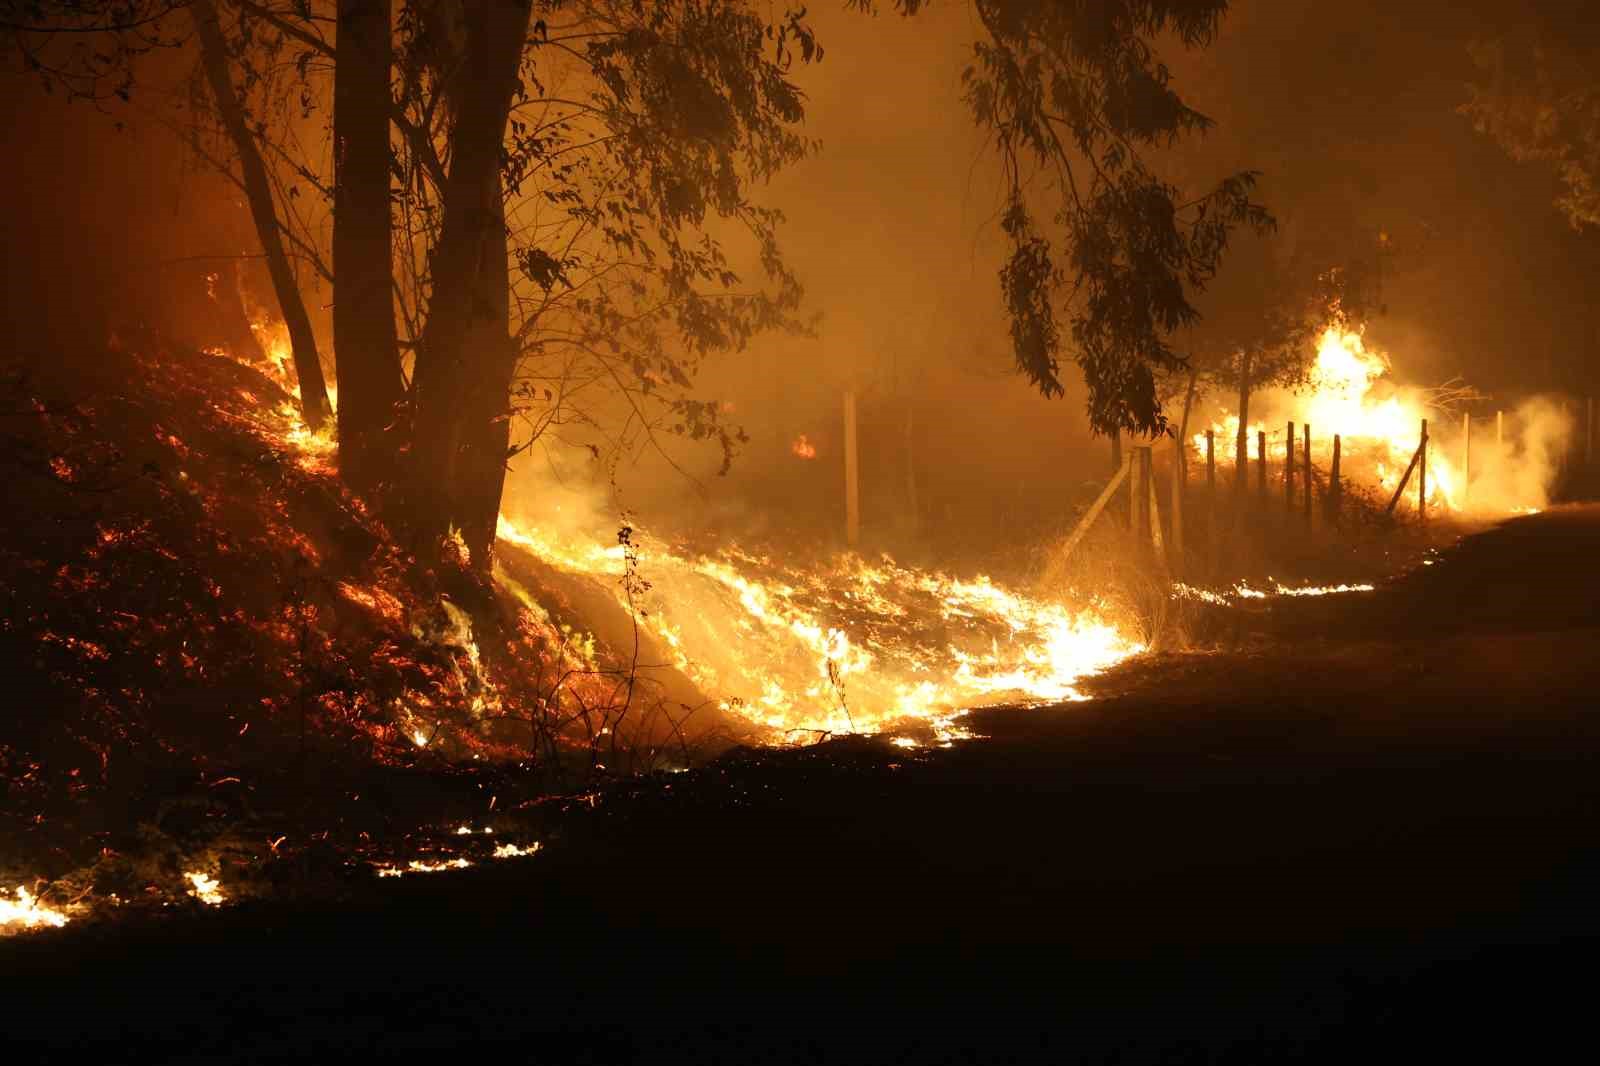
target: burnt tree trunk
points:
(1241, 469)
(366, 350)
(486, 406)
(456, 380)
(258, 191)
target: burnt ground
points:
(1368, 828)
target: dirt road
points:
(1371, 827)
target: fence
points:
(1303, 480)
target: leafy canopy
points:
(1106, 265)
(1539, 98)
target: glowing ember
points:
(1321, 590)
(26, 912)
(418, 866)
(1243, 591)
(204, 888)
(850, 646)
(803, 447)
(512, 851)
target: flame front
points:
(1379, 427)
(204, 888)
(25, 911)
(850, 646)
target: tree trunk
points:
(258, 190)
(366, 352)
(1241, 470)
(1180, 478)
(486, 407)
(1116, 449)
(466, 301)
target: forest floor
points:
(1368, 823)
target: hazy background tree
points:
(1538, 96)
(1078, 95)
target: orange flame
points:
(849, 646)
(1349, 394)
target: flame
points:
(204, 888)
(26, 912)
(1243, 591)
(803, 447)
(1349, 394)
(420, 866)
(849, 646)
(512, 851)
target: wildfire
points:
(204, 888)
(1246, 592)
(803, 447)
(1349, 394)
(850, 646)
(26, 912)
(419, 866)
(1243, 591)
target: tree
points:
(1539, 99)
(560, 185)
(1077, 93)
(365, 341)
(258, 191)
(1261, 324)
(462, 387)
(85, 48)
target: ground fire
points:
(715, 531)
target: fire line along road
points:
(1375, 826)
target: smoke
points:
(1521, 471)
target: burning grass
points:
(201, 610)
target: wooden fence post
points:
(1180, 481)
(1422, 475)
(1307, 465)
(1261, 466)
(852, 481)
(1156, 544)
(1134, 488)
(1405, 479)
(1139, 514)
(1288, 468)
(1094, 511)
(1211, 495)
(1334, 487)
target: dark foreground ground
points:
(1369, 831)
